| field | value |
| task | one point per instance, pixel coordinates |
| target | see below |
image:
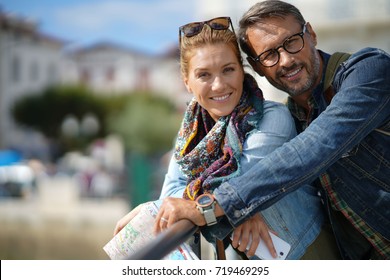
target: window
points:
(85, 76)
(110, 74)
(52, 74)
(16, 69)
(34, 71)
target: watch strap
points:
(209, 215)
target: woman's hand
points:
(174, 209)
(126, 219)
(256, 229)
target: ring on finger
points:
(164, 220)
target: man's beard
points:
(298, 89)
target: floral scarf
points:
(209, 152)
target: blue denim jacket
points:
(341, 140)
(298, 217)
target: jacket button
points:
(237, 213)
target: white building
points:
(29, 61)
(112, 69)
(106, 67)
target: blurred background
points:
(91, 100)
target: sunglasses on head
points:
(194, 28)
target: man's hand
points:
(256, 229)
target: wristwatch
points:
(205, 204)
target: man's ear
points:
(313, 35)
(255, 65)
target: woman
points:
(226, 128)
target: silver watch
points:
(206, 205)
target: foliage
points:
(46, 111)
(148, 123)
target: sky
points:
(150, 26)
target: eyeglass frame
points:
(206, 22)
(300, 34)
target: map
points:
(138, 233)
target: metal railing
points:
(166, 241)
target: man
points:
(346, 136)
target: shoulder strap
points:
(334, 61)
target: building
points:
(29, 61)
(108, 68)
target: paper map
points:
(138, 233)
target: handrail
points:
(166, 241)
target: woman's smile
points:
(221, 98)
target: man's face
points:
(296, 74)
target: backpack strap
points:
(334, 61)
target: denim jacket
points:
(342, 140)
(298, 217)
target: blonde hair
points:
(207, 36)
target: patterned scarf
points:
(209, 152)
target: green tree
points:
(148, 124)
(46, 111)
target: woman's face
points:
(215, 77)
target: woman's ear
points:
(255, 66)
(185, 80)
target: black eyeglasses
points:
(194, 28)
(292, 44)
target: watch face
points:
(204, 200)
